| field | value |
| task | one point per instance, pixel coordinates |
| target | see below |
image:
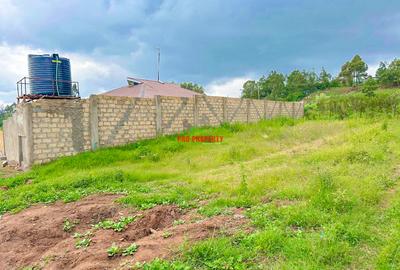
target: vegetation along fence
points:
(342, 106)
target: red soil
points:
(35, 236)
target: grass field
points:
(321, 194)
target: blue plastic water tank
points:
(50, 75)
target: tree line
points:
(5, 112)
(299, 84)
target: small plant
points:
(84, 243)
(80, 235)
(130, 250)
(69, 225)
(31, 268)
(117, 226)
(145, 206)
(384, 126)
(178, 222)
(360, 156)
(114, 250)
(243, 188)
(167, 234)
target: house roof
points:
(148, 89)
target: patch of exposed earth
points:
(36, 236)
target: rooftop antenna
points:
(158, 63)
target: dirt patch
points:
(36, 236)
(8, 171)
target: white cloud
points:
(228, 87)
(94, 75)
(372, 69)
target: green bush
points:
(342, 106)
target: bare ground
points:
(35, 236)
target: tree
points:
(5, 112)
(394, 69)
(369, 86)
(389, 75)
(273, 86)
(383, 75)
(324, 79)
(250, 90)
(311, 82)
(193, 86)
(345, 76)
(353, 72)
(296, 85)
(359, 69)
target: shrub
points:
(369, 87)
(355, 104)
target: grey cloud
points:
(206, 40)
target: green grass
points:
(321, 194)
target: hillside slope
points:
(317, 194)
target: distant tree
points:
(345, 76)
(369, 86)
(6, 111)
(383, 76)
(335, 82)
(394, 68)
(324, 79)
(262, 90)
(250, 90)
(359, 69)
(312, 84)
(273, 86)
(193, 86)
(296, 85)
(389, 75)
(353, 72)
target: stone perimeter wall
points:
(52, 128)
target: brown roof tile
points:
(149, 89)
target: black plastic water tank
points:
(50, 75)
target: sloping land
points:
(279, 194)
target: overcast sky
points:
(219, 44)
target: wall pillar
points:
(248, 110)
(29, 135)
(293, 109)
(93, 122)
(224, 110)
(157, 100)
(196, 111)
(265, 109)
